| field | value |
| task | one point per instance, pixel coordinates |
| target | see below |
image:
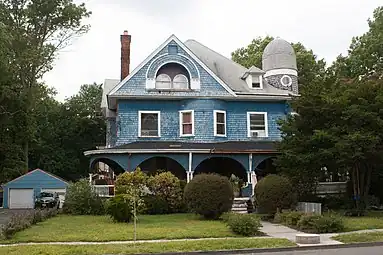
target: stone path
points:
(281, 231)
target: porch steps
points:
(240, 205)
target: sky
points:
(325, 26)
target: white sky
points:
(325, 26)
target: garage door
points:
(21, 198)
(61, 193)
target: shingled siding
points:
(137, 84)
(236, 117)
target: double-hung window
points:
(257, 124)
(149, 124)
(219, 123)
(187, 123)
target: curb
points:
(263, 250)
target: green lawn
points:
(360, 238)
(102, 228)
(177, 246)
(373, 220)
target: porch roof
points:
(183, 147)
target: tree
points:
(38, 30)
(339, 119)
(365, 54)
(66, 130)
(309, 67)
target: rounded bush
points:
(120, 208)
(209, 195)
(81, 199)
(167, 187)
(244, 224)
(274, 193)
(155, 205)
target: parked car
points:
(47, 200)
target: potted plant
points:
(235, 182)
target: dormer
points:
(172, 70)
(254, 78)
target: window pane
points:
(187, 117)
(163, 81)
(180, 81)
(220, 129)
(220, 117)
(257, 122)
(187, 129)
(149, 124)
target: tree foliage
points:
(34, 32)
(338, 129)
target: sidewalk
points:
(126, 242)
(281, 231)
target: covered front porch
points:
(248, 161)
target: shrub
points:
(120, 208)
(127, 181)
(289, 218)
(321, 223)
(244, 224)
(155, 205)
(166, 186)
(274, 193)
(182, 208)
(209, 195)
(22, 220)
(81, 199)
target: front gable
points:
(202, 81)
(36, 178)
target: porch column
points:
(250, 168)
(190, 173)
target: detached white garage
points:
(21, 192)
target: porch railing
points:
(104, 190)
(331, 187)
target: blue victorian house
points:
(188, 109)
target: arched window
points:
(180, 81)
(172, 76)
(163, 81)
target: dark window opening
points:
(256, 85)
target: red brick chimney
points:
(125, 54)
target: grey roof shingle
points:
(231, 72)
(109, 84)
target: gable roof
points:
(231, 72)
(36, 170)
(187, 50)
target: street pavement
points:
(374, 250)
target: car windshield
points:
(46, 194)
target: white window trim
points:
(266, 123)
(260, 82)
(180, 118)
(139, 122)
(215, 122)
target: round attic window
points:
(286, 81)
